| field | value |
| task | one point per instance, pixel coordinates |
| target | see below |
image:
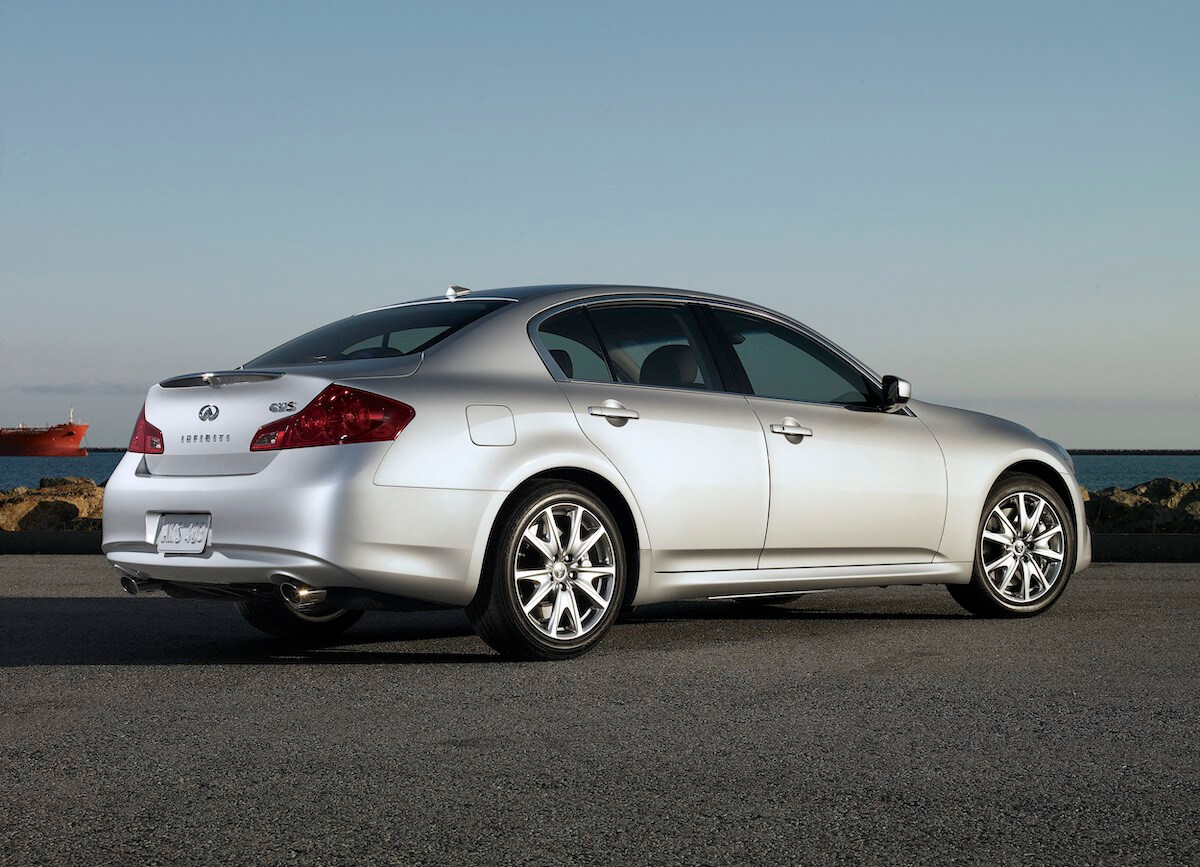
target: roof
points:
(565, 290)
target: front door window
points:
(783, 363)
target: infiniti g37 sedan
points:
(548, 456)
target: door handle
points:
(615, 411)
(791, 429)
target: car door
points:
(850, 484)
(645, 391)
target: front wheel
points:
(1024, 553)
(319, 624)
(556, 578)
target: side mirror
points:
(896, 392)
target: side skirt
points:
(675, 586)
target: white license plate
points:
(183, 534)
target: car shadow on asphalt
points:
(158, 631)
(116, 631)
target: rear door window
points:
(654, 344)
(571, 342)
(388, 333)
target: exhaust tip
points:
(299, 594)
(134, 585)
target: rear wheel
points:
(1024, 553)
(556, 578)
(314, 625)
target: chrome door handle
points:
(615, 411)
(790, 429)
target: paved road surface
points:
(875, 725)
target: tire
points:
(1023, 580)
(539, 562)
(280, 620)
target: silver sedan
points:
(548, 456)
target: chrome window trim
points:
(552, 366)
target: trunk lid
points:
(208, 420)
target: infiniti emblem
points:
(208, 412)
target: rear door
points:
(646, 392)
(850, 484)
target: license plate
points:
(183, 534)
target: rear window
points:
(387, 333)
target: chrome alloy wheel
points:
(565, 571)
(1022, 547)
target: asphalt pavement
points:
(879, 726)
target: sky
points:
(999, 202)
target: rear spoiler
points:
(218, 379)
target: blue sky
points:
(1000, 202)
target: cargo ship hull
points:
(59, 441)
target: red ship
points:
(55, 441)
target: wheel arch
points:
(1073, 497)
(1051, 477)
(608, 493)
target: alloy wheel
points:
(565, 571)
(1022, 547)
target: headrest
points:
(670, 365)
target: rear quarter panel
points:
(497, 367)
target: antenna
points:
(456, 292)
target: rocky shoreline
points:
(1160, 506)
(67, 504)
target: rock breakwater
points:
(1158, 506)
(56, 504)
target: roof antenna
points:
(456, 292)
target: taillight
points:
(336, 415)
(146, 439)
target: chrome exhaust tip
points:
(300, 595)
(134, 586)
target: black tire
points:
(281, 621)
(981, 596)
(496, 612)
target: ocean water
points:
(27, 472)
(1094, 471)
(1103, 471)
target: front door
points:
(850, 485)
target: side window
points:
(572, 344)
(653, 344)
(783, 363)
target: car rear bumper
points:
(314, 515)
